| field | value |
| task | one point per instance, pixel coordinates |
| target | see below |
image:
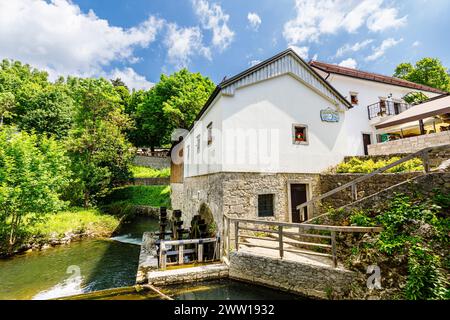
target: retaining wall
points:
(305, 279)
(410, 145)
(153, 162)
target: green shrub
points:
(425, 279)
(357, 165)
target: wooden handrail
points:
(422, 154)
(306, 226)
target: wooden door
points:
(298, 196)
(367, 140)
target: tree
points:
(33, 173)
(38, 104)
(118, 83)
(172, 103)
(428, 71)
(7, 103)
(101, 154)
(48, 111)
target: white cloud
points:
(301, 51)
(254, 63)
(130, 78)
(416, 43)
(385, 19)
(183, 43)
(353, 48)
(213, 18)
(349, 63)
(379, 51)
(316, 18)
(254, 20)
(59, 37)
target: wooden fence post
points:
(280, 239)
(333, 248)
(162, 256)
(200, 252)
(181, 254)
(354, 192)
(228, 239)
(426, 161)
(236, 235)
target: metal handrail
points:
(424, 154)
(375, 110)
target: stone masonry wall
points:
(425, 184)
(241, 190)
(153, 162)
(236, 194)
(305, 279)
(366, 188)
(410, 145)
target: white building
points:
(264, 135)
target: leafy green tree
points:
(48, 111)
(38, 104)
(118, 83)
(428, 71)
(101, 154)
(33, 173)
(7, 103)
(173, 103)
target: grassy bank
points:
(62, 228)
(146, 172)
(76, 221)
(154, 196)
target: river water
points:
(92, 265)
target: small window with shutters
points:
(265, 205)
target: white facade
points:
(368, 92)
(252, 119)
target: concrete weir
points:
(148, 272)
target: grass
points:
(146, 172)
(76, 220)
(154, 196)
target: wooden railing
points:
(180, 251)
(423, 154)
(285, 236)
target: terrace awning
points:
(430, 108)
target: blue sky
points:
(138, 40)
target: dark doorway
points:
(298, 196)
(367, 140)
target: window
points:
(354, 98)
(198, 143)
(210, 137)
(300, 134)
(265, 205)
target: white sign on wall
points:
(329, 115)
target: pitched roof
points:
(332, 68)
(287, 61)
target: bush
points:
(357, 165)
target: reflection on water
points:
(102, 264)
(230, 290)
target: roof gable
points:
(287, 62)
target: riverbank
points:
(67, 226)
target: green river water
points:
(92, 265)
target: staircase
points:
(424, 154)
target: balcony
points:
(386, 108)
